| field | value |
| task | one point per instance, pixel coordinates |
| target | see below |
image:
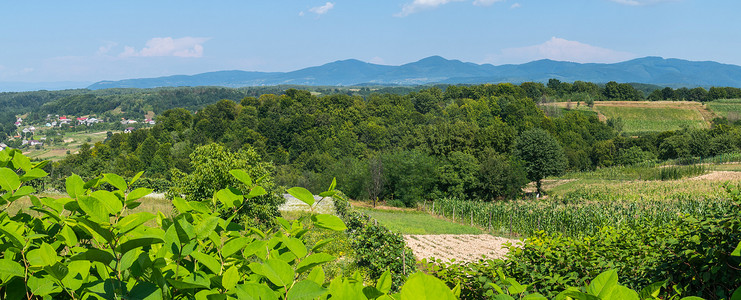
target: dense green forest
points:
(460, 142)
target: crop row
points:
(572, 219)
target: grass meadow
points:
(644, 119)
(417, 222)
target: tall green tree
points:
(541, 153)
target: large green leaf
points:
(181, 205)
(275, 270)
(43, 256)
(296, 246)
(652, 290)
(94, 209)
(209, 261)
(515, 287)
(77, 274)
(229, 198)
(9, 268)
(69, 236)
(206, 226)
(33, 174)
(138, 242)
(242, 176)
(330, 222)
(128, 259)
(621, 293)
(133, 221)
(384, 282)
(302, 194)
(94, 255)
(110, 201)
(22, 162)
(306, 290)
(230, 278)
(255, 291)
(138, 193)
(737, 294)
(136, 177)
(313, 261)
(9, 180)
(116, 181)
(256, 192)
(75, 186)
(191, 282)
(316, 275)
(602, 285)
(737, 251)
(96, 230)
(234, 245)
(15, 233)
(42, 286)
(146, 291)
(421, 286)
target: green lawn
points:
(643, 119)
(415, 222)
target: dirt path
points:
(462, 248)
(719, 176)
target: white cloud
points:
(320, 10)
(640, 2)
(418, 5)
(516, 5)
(485, 2)
(102, 50)
(167, 46)
(561, 50)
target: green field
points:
(416, 222)
(644, 119)
(72, 142)
(730, 108)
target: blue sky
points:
(45, 41)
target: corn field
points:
(572, 219)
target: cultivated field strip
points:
(458, 247)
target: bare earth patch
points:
(462, 248)
(719, 175)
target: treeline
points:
(402, 148)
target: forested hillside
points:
(402, 148)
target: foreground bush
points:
(693, 256)
(89, 246)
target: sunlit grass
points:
(416, 222)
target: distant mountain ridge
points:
(436, 69)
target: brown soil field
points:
(461, 248)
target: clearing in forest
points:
(646, 116)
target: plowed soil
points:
(461, 248)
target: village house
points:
(129, 129)
(3, 146)
(149, 121)
(126, 122)
(35, 142)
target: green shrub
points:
(87, 246)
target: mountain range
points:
(436, 69)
